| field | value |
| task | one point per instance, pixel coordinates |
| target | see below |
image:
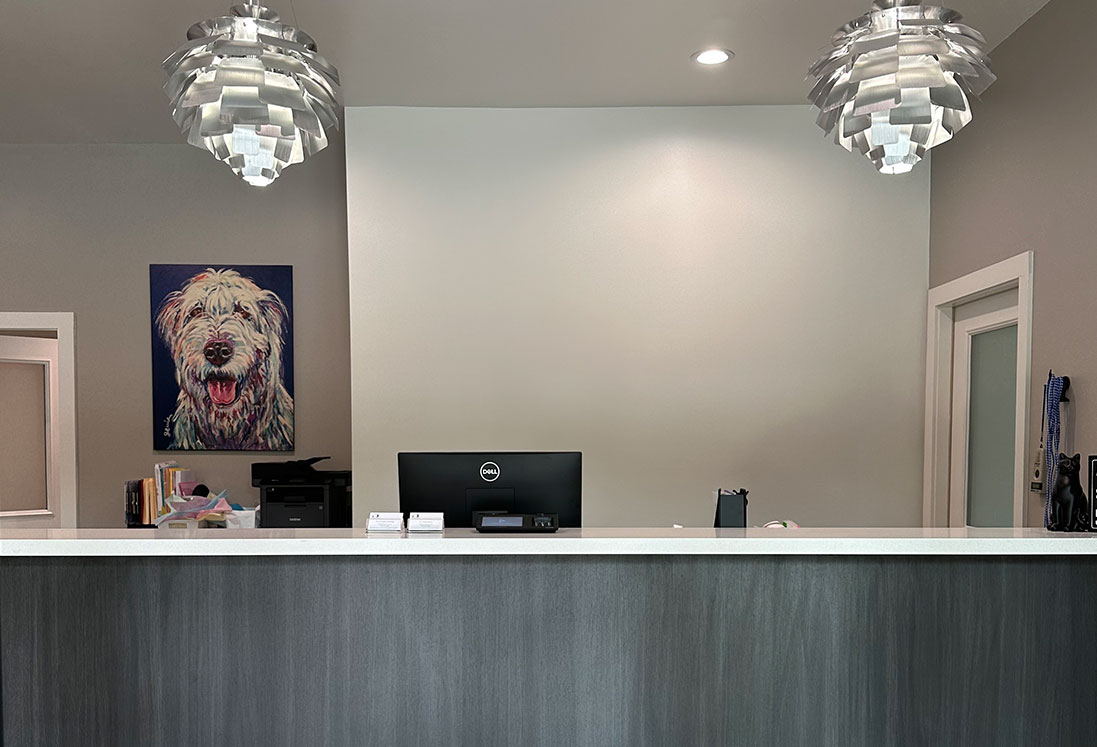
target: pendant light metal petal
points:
(898, 81)
(253, 92)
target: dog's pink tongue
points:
(222, 391)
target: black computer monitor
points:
(520, 482)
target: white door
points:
(978, 376)
(29, 432)
(982, 463)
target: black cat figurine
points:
(1069, 507)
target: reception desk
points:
(587, 637)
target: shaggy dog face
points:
(225, 335)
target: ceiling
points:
(70, 74)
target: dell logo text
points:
(489, 471)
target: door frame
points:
(1015, 272)
(61, 511)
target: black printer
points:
(296, 495)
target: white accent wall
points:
(692, 297)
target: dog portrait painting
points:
(222, 363)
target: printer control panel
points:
(499, 522)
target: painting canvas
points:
(222, 357)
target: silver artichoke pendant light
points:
(899, 81)
(253, 92)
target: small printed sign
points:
(385, 521)
(421, 521)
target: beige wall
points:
(80, 226)
(692, 297)
(1021, 177)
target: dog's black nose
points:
(218, 352)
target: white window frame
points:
(1015, 272)
(61, 481)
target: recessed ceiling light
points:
(712, 56)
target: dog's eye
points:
(244, 313)
(196, 311)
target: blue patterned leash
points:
(1051, 455)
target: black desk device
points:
(460, 484)
(295, 494)
(491, 522)
(731, 509)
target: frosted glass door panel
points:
(22, 436)
(991, 424)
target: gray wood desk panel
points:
(548, 651)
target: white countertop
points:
(15, 543)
